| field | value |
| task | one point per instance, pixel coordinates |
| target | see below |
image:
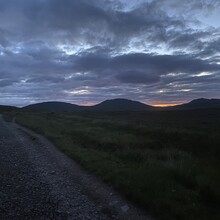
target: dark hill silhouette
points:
(121, 105)
(199, 104)
(108, 105)
(54, 106)
(4, 108)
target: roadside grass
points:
(167, 162)
(8, 116)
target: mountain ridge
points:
(118, 104)
(4, 108)
(199, 103)
(53, 106)
(121, 105)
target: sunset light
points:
(165, 104)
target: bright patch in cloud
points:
(162, 91)
(72, 49)
(184, 90)
(79, 92)
(203, 74)
(67, 49)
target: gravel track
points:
(39, 182)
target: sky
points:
(87, 51)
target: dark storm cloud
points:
(3, 38)
(189, 39)
(81, 20)
(162, 64)
(6, 82)
(142, 68)
(137, 77)
(203, 43)
(38, 50)
(211, 48)
(52, 49)
(45, 79)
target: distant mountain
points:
(4, 108)
(108, 105)
(199, 104)
(121, 105)
(54, 107)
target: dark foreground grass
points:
(167, 162)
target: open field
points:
(167, 162)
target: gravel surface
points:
(39, 182)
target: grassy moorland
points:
(167, 162)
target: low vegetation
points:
(167, 162)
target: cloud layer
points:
(148, 50)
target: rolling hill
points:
(54, 107)
(108, 105)
(4, 108)
(121, 105)
(199, 104)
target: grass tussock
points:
(167, 162)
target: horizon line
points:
(89, 104)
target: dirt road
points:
(39, 182)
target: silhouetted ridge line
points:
(121, 105)
(54, 106)
(199, 104)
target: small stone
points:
(113, 203)
(125, 208)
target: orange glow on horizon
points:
(87, 103)
(165, 104)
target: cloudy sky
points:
(86, 51)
